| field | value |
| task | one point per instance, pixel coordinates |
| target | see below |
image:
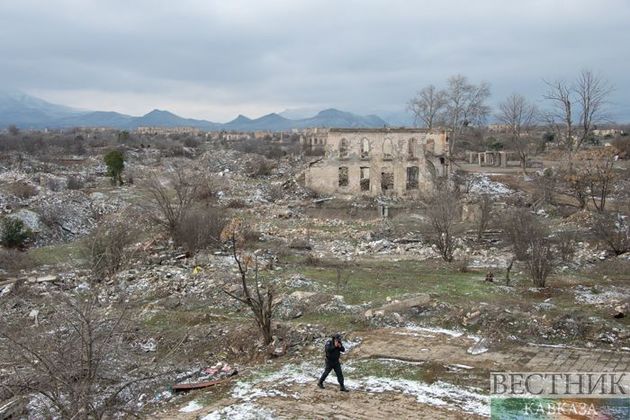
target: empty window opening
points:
(365, 179)
(411, 148)
(365, 148)
(412, 177)
(343, 148)
(388, 149)
(430, 146)
(387, 181)
(343, 176)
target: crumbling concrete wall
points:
(398, 162)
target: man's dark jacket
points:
(333, 353)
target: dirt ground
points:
(450, 383)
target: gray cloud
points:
(213, 59)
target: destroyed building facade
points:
(381, 161)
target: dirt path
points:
(452, 382)
(449, 348)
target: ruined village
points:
(180, 273)
(314, 209)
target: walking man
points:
(334, 348)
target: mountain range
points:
(25, 111)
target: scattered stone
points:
(478, 348)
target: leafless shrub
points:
(613, 230)
(22, 190)
(173, 197)
(75, 182)
(199, 228)
(300, 243)
(573, 182)
(250, 236)
(237, 203)
(529, 238)
(540, 258)
(174, 150)
(275, 193)
(105, 248)
(463, 265)
(600, 177)
(52, 215)
(258, 166)
(566, 242)
(545, 185)
(443, 212)
(463, 181)
(14, 260)
(517, 226)
(76, 363)
(622, 147)
(55, 184)
(313, 260)
(192, 142)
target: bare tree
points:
(443, 215)
(576, 108)
(459, 105)
(427, 106)
(465, 105)
(519, 116)
(575, 184)
(173, 202)
(613, 230)
(254, 292)
(106, 247)
(182, 199)
(600, 177)
(540, 257)
(76, 362)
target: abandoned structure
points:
(385, 161)
(490, 158)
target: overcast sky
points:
(215, 59)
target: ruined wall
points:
(378, 162)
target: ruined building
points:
(386, 161)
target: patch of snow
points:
(461, 366)
(406, 362)
(436, 394)
(436, 330)
(300, 374)
(190, 407)
(244, 411)
(564, 346)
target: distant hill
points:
(29, 112)
(340, 119)
(158, 118)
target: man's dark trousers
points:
(337, 368)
